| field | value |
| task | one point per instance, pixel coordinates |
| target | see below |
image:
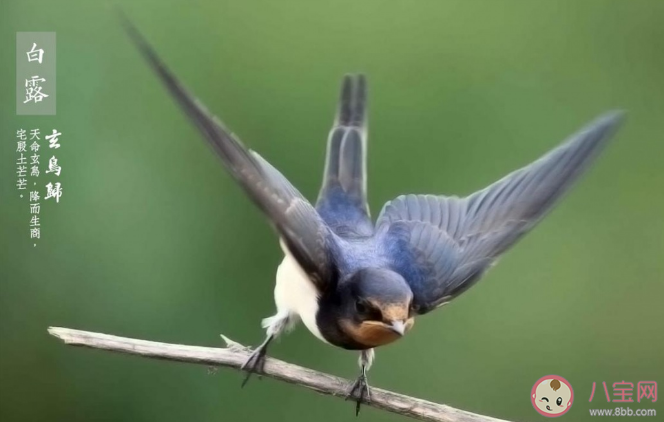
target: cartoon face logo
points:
(552, 396)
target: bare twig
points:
(234, 355)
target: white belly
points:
(296, 294)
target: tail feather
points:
(345, 166)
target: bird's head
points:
(377, 307)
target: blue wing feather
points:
(443, 245)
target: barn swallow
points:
(359, 285)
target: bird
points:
(358, 284)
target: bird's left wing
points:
(442, 245)
(304, 233)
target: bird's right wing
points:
(305, 234)
(443, 245)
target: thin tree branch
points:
(234, 355)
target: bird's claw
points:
(254, 364)
(360, 392)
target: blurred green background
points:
(153, 240)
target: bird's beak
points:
(398, 327)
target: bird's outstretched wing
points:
(295, 219)
(443, 245)
(342, 201)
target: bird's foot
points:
(360, 392)
(255, 363)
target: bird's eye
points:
(367, 311)
(544, 398)
(559, 401)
